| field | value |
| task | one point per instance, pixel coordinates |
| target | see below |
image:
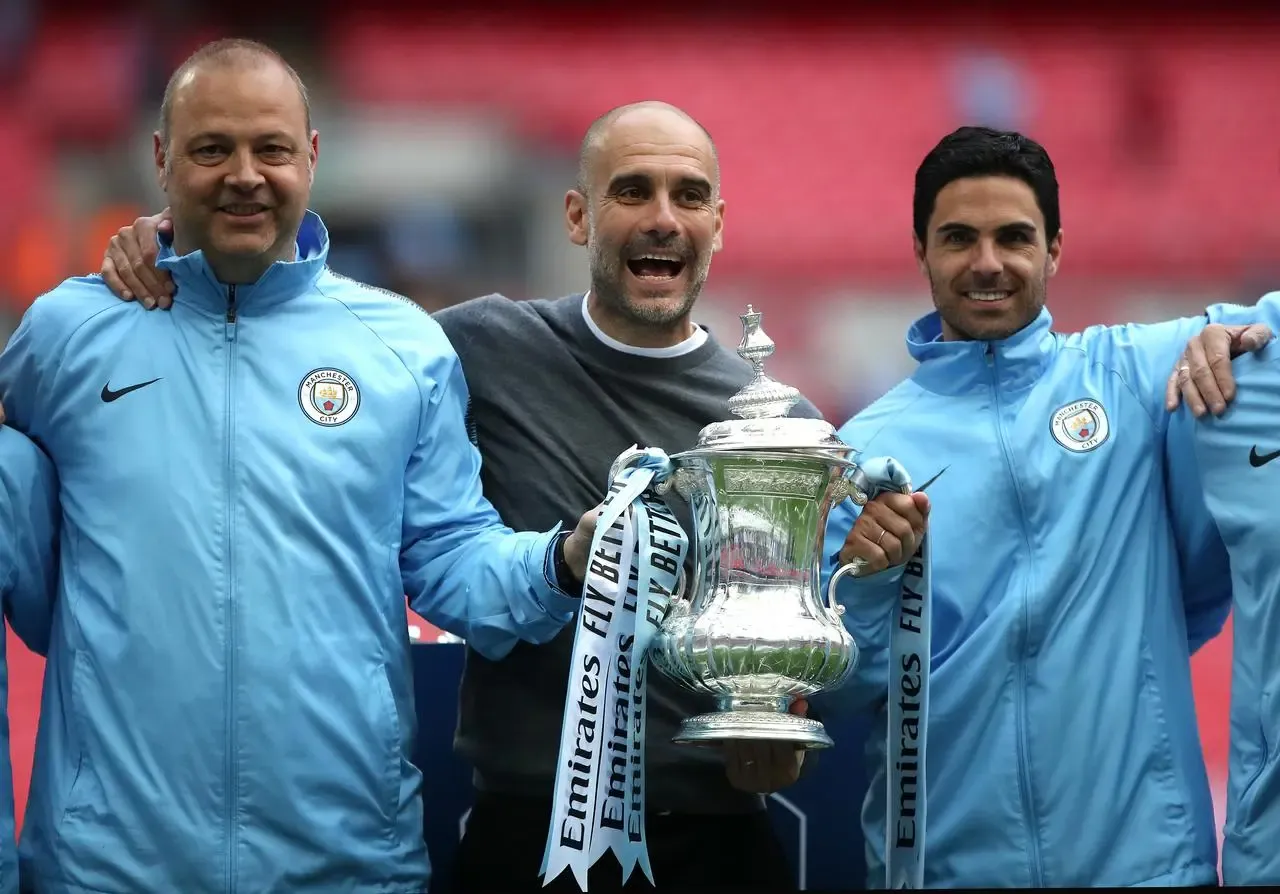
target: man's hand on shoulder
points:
(129, 263)
(1202, 376)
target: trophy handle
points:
(682, 594)
(861, 488)
(625, 458)
(852, 569)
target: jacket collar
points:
(198, 287)
(953, 367)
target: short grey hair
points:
(595, 134)
(228, 51)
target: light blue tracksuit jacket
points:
(1239, 456)
(1075, 569)
(28, 590)
(251, 483)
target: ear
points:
(1055, 254)
(918, 249)
(575, 217)
(161, 157)
(313, 156)
(718, 242)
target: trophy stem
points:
(757, 719)
(754, 704)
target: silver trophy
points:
(753, 627)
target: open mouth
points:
(988, 297)
(655, 268)
(245, 210)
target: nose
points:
(986, 260)
(662, 222)
(242, 171)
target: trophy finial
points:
(762, 397)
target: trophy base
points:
(760, 726)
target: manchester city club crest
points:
(1080, 426)
(328, 397)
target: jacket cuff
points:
(554, 599)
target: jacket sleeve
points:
(29, 513)
(1202, 555)
(463, 570)
(28, 368)
(869, 604)
(1146, 357)
(1266, 310)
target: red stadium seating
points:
(820, 136)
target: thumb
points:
(922, 502)
(1253, 338)
(800, 707)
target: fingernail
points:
(127, 295)
(149, 303)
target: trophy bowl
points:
(750, 624)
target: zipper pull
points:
(231, 313)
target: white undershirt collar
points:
(692, 343)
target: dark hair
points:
(983, 152)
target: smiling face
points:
(988, 259)
(650, 218)
(237, 165)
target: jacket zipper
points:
(229, 329)
(1020, 697)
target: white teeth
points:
(987, 296)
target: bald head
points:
(229, 53)
(633, 121)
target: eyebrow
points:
(622, 181)
(218, 136)
(1016, 227)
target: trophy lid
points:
(763, 405)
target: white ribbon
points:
(908, 695)
(908, 725)
(636, 557)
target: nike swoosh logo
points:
(1261, 459)
(108, 395)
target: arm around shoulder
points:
(30, 514)
(1204, 565)
(30, 361)
(462, 568)
(1265, 310)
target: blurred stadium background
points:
(448, 139)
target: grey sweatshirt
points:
(552, 406)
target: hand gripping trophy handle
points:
(862, 489)
(662, 485)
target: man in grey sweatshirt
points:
(559, 388)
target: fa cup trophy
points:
(751, 625)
